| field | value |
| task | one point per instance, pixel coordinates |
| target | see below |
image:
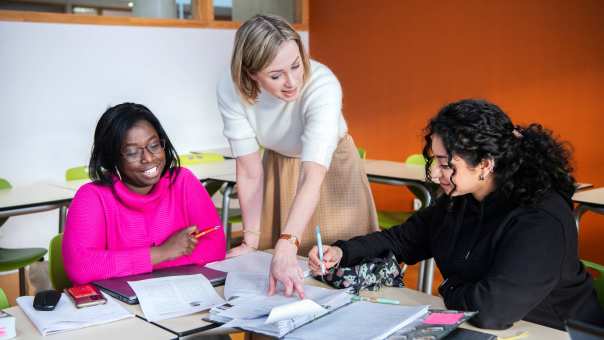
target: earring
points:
(117, 171)
(481, 177)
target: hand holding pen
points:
(331, 257)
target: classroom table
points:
(194, 324)
(398, 173)
(133, 328)
(33, 198)
(588, 200)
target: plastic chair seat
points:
(11, 259)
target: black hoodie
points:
(507, 262)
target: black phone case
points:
(47, 300)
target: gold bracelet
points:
(253, 232)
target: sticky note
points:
(443, 318)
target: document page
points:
(351, 322)
(172, 296)
(256, 262)
(250, 307)
(66, 316)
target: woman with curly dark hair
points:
(503, 234)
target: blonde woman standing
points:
(310, 174)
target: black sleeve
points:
(526, 269)
(409, 241)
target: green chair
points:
(200, 158)
(77, 173)
(599, 280)
(362, 153)
(389, 219)
(56, 270)
(19, 258)
(3, 300)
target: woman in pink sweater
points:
(141, 209)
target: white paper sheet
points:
(171, 296)
(66, 316)
(256, 262)
(294, 310)
(252, 307)
(352, 322)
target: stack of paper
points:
(360, 320)
(251, 309)
(67, 317)
(256, 262)
(173, 296)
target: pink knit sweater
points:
(110, 229)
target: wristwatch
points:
(291, 238)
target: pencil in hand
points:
(197, 234)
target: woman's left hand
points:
(285, 269)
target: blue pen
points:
(320, 246)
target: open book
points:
(172, 296)
(66, 316)
(251, 309)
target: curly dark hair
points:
(529, 161)
(109, 134)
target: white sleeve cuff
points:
(242, 147)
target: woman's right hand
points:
(179, 244)
(331, 257)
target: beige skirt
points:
(345, 209)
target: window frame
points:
(202, 12)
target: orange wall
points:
(400, 61)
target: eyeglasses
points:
(133, 154)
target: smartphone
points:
(85, 296)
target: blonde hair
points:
(257, 43)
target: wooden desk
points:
(588, 200)
(134, 328)
(398, 173)
(34, 198)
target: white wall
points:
(57, 79)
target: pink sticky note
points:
(443, 318)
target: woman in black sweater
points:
(503, 235)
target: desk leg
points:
(420, 276)
(428, 277)
(226, 200)
(62, 217)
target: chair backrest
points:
(56, 270)
(200, 158)
(362, 153)
(598, 280)
(3, 300)
(4, 184)
(76, 173)
(416, 159)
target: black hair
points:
(109, 135)
(529, 161)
